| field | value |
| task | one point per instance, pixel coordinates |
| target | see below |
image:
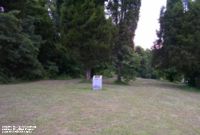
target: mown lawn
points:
(146, 107)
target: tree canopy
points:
(49, 38)
(179, 40)
(124, 15)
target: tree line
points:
(44, 39)
(49, 38)
(177, 50)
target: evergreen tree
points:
(145, 69)
(18, 50)
(180, 40)
(86, 33)
(124, 14)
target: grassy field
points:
(146, 107)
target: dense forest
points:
(47, 39)
(177, 50)
(50, 38)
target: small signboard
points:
(97, 82)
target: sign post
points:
(97, 82)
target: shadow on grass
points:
(85, 81)
(183, 87)
(178, 86)
(190, 89)
(120, 83)
(164, 84)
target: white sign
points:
(97, 82)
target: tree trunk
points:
(119, 76)
(119, 79)
(88, 74)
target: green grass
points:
(145, 107)
(191, 89)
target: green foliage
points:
(52, 70)
(30, 47)
(18, 50)
(130, 66)
(3, 77)
(109, 72)
(124, 15)
(86, 32)
(172, 75)
(180, 32)
(146, 69)
(197, 81)
(46, 39)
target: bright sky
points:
(148, 22)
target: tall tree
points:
(36, 24)
(18, 49)
(86, 33)
(180, 46)
(125, 15)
